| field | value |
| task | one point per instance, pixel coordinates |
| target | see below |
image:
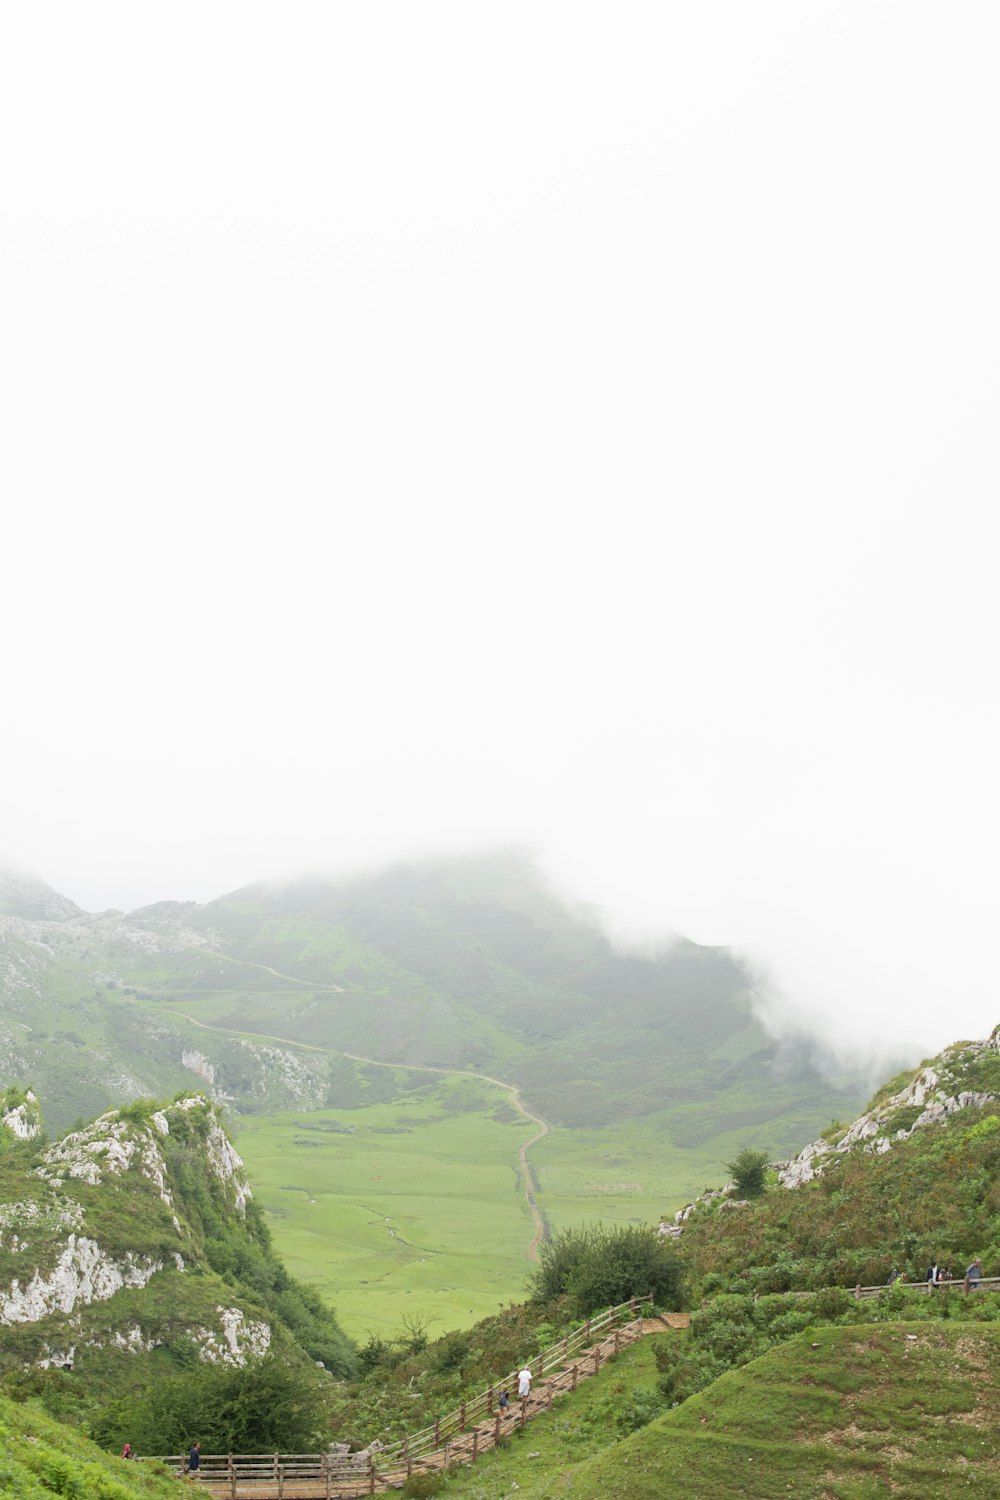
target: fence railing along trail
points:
(460, 1436)
(930, 1288)
(475, 1424)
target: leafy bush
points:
(421, 1486)
(451, 1352)
(599, 1266)
(265, 1406)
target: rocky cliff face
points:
(114, 1209)
(947, 1084)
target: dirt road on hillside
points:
(527, 1176)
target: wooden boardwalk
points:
(474, 1428)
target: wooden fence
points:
(929, 1288)
(465, 1429)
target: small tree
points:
(748, 1172)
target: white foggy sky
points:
(433, 425)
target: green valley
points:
(312, 998)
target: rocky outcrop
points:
(22, 1118)
(237, 1340)
(935, 1090)
(108, 1147)
(84, 1273)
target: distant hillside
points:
(456, 964)
(133, 1247)
(23, 894)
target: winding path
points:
(527, 1176)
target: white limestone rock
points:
(238, 1339)
(227, 1165)
(933, 1088)
(23, 1120)
(84, 1273)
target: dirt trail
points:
(527, 1177)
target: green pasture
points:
(418, 1214)
(414, 1209)
(626, 1174)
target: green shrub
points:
(599, 1266)
(265, 1406)
(749, 1172)
(422, 1486)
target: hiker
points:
(127, 1451)
(194, 1458)
(503, 1404)
(524, 1383)
(931, 1276)
(972, 1275)
(893, 1276)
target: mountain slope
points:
(913, 1181)
(40, 1457)
(133, 1246)
(903, 1409)
(457, 964)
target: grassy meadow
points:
(406, 1210)
(413, 1207)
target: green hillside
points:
(132, 1249)
(834, 1414)
(466, 964)
(40, 1457)
(914, 1181)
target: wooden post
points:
(573, 1372)
(524, 1410)
(371, 1476)
(326, 1467)
(566, 1347)
(541, 1367)
(548, 1395)
(437, 1432)
(496, 1430)
(489, 1399)
(597, 1361)
(475, 1444)
(232, 1477)
(618, 1340)
(447, 1456)
(281, 1482)
(409, 1464)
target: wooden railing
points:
(332, 1474)
(985, 1284)
(484, 1405)
(866, 1293)
(282, 1474)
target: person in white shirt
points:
(524, 1382)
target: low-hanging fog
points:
(435, 427)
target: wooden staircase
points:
(475, 1428)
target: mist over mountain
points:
(471, 964)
